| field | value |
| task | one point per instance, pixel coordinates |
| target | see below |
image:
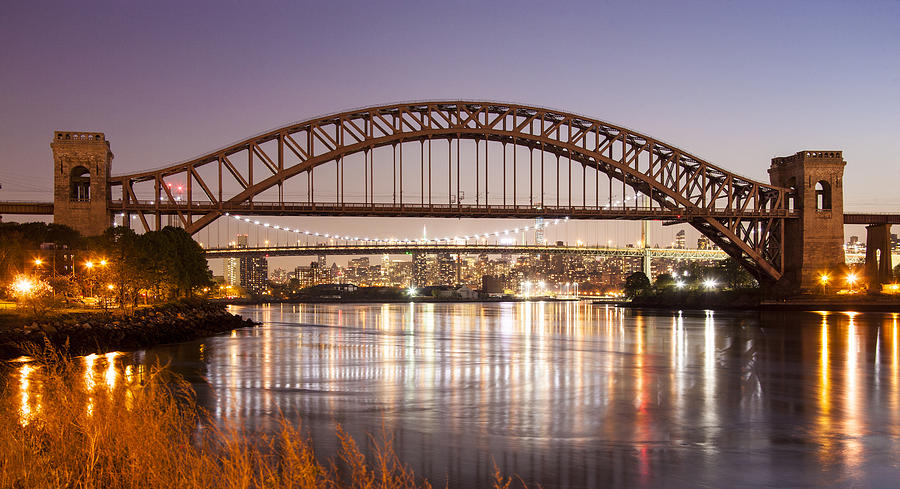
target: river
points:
(567, 394)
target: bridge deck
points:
(443, 210)
(27, 208)
(471, 249)
(418, 210)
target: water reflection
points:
(565, 394)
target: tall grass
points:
(150, 433)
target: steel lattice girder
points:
(743, 216)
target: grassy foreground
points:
(59, 430)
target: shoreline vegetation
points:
(147, 431)
(81, 333)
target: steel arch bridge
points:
(264, 174)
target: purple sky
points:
(734, 82)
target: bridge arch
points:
(744, 217)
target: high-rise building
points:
(233, 265)
(680, 239)
(386, 268)
(703, 243)
(420, 270)
(254, 274)
(232, 273)
(446, 269)
(539, 231)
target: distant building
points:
(703, 243)
(539, 231)
(420, 270)
(280, 276)
(232, 273)
(446, 268)
(680, 239)
(254, 274)
(491, 285)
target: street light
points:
(851, 279)
(23, 286)
(709, 283)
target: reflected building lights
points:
(528, 374)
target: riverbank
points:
(83, 333)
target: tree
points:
(32, 292)
(735, 275)
(663, 281)
(636, 284)
(179, 263)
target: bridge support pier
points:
(813, 244)
(879, 269)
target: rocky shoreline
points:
(82, 334)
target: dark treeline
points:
(119, 264)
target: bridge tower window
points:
(823, 196)
(80, 184)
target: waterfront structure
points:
(743, 217)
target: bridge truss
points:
(464, 159)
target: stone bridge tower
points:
(81, 167)
(814, 244)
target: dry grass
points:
(152, 434)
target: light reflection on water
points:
(565, 394)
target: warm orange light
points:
(38, 262)
(23, 286)
(102, 263)
(88, 264)
(824, 279)
(851, 278)
(110, 286)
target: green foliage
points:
(35, 295)
(735, 275)
(635, 284)
(164, 264)
(663, 281)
